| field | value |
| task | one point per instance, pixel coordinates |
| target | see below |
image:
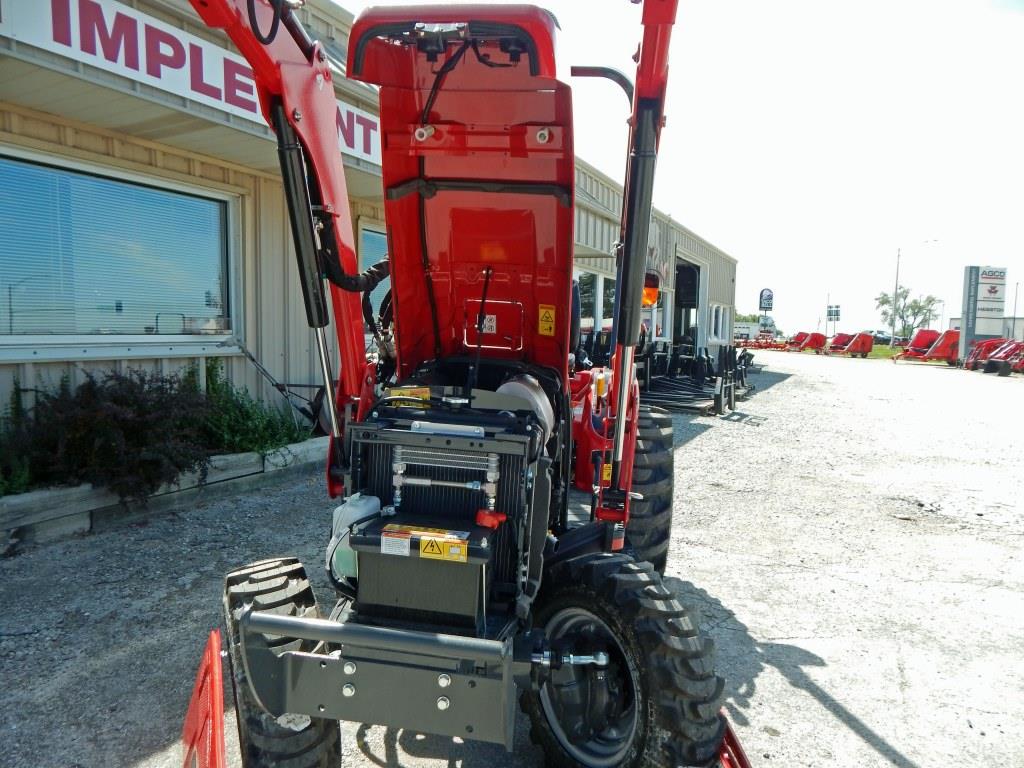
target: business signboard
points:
(767, 299)
(984, 304)
(120, 39)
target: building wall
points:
(598, 210)
(266, 314)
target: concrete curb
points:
(55, 513)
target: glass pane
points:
(588, 286)
(373, 246)
(81, 254)
(608, 308)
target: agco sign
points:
(993, 274)
(117, 38)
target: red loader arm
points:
(295, 86)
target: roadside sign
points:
(833, 312)
(767, 298)
(984, 302)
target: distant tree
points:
(910, 314)
(751, 318)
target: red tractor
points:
(465, 584)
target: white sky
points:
(812, 138)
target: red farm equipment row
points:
(764, 340)
(852, 344)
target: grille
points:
(453, 504)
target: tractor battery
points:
(415, 569)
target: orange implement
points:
(202, 736)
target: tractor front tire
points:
(296, 741)
(656, 703)
(649, 529)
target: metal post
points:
(10, 310)
(895, 299)
(1013, 321)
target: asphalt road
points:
(852, 535)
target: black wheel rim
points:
(607, 744)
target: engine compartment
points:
(464, 479)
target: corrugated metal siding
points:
(268, 315)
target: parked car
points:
(880, 337)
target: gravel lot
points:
(855, 532)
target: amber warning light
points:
(651, 284)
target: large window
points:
(84, 254)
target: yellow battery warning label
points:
(606, 473)
(546, 319)
(456, 551)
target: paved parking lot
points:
(852, 535)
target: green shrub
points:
(133, 432)
(128, 432)
(237, 423)
(15, 472)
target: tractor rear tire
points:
(296, 741)
(649, 529)
(657, 700)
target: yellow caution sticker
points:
(606, 473)
(453, 550)
(546, 319)
(418, 530)
(413, 393)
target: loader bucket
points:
(202, 736)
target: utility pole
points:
(895, 299)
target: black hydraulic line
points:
(439, 78)
(275, 25)
(609, 74)
(474, 370)
(425, 253)
(430, 187)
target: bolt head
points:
(443, 703)
(349, 668)
(348, 690)
(444, 680)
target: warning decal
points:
(435, 543)
(546, 319)
(606, 473)
(444, 549)
(395, 543)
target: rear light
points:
(651, 285)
